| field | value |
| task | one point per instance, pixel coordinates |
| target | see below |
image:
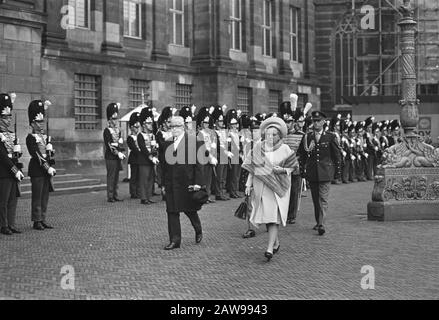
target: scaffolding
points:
(367, 61)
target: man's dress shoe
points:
(38, 226)
(172, 246)
(46, 225)
(14, 230)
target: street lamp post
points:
(407, 181)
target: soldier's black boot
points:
(38, 226)
(5, 231)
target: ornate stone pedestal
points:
(405, 194)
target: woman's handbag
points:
(245, 208)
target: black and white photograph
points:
(236, 152)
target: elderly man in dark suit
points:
(319, 154)
(182, 174)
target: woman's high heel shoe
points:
(268, 255)
(276, 250)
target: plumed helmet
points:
(186, 114)
(395, 125)
(245, 122)
(134, 118)
(375, 126)
(285, 111)
(231, 117)
(218, 113)
(335, 120)
(6, 103)
(203, 115)
(166, 114)
(359, 126)
(113, 111)
(37, 110)
(369, 121)
(146, 115)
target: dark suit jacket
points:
(38, 165)
(322, 161)
(179, 175)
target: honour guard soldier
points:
(384, 141)
(362, 155)
(319, 153)
(163, 134)
(234, 147)
(113, 143)
(369, 147)
(352, 151)
(208, 136)
(41, 169)
(334, 128)
(10, 168)
(222, 151)
(346, 150)
(289, 113)
(133, 158)
(394, 132)
(186, 114)
(148, 156)
(376, 132)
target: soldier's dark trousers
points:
(174, 227)
(40, 198)
(369, 168)
(320, 195)
(234, 172)
(134, 181)
(208, 173)
(296, 184)
(345, 170)
(360, 170)
(352, 170)
(146, 181)
(220, 181)
(8, 202)
(113, 167)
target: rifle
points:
(17, 148)
(50, 154)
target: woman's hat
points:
(276, 122)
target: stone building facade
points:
(84, 54)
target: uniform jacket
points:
(134, 149)
(8, 169)
(177, 177)
(145, 154)
(320, 160)
(112, 143)
(38, 164)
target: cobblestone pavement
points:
(116, 251)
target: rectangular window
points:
(267, 28)
(236, 24)
(183, 95)
(140, 91)
(275, 99)
(81, 13)
(87, 102)
(177, 12)
(244, 99)
(132, 18)
(294, 33)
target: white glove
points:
(153, 143)
(376, 148)
(17, 148)
(51, 171)
(121, 156)
(19, 175)
(359, 158)
(352, 157)
(229, 154)
(120, 141)
(344, 154)
(155, 160)
(213, 161)
(352, 145)
(366, 155)
(364, 145)
(49, 147)
(383, 144)
(213, 145)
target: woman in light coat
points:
(269, 181)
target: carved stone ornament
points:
(411, 152)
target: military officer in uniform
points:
(10, 168)
(148, 156)
(41, 169)
(133, 158)
(234, 147)
(113, 151)
(319, 153)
